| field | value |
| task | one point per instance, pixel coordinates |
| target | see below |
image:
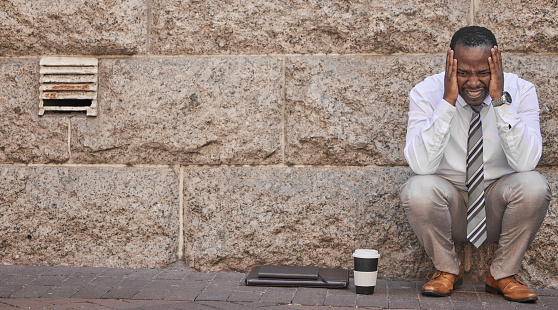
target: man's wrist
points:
(497, 95)
(450, 100)
(505, 98)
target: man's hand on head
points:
(451, 89)
(496, 88)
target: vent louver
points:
(68, 84)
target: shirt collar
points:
(463, 104)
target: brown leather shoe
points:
(442, 283)
(511, 287)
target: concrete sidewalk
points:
(25, 287)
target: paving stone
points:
(495, 302)
(535, 306)
(162, 304)
(91, 291)
(237, 296)
(403, 295)
(31, 291)
(5, 277)
(11, 269)
(466, 304)
(172, 275)
(143, 274)
(7, 290)
(160, 284)
(283, 295)
(310, 296)
(381, 286)
(251, 288)
(149, 293)
(214, 295)
(340, 300)
(115, 304)
(115, 272)
(228, 281)
(62, 292)
(174, 294)
(380, 299)
(76, 281)
(88, 271)
(36, 270)
(125, 289)
(197, 285)
(225, 305)
(269, 306)
(19, 280)
(49, 280)
(185, 293)
(435, 303)
(224, 286)
(24, 303)
(342, 291)
(466, 301)
(467, 287)
(200, 276)
(60, 271)
(548, 301)
(106, 281)
(547, 292)
(229, 277)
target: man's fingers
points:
(449, 58)
(453, 68)
(496, 57)
(450, 64)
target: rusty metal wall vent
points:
(68, 84)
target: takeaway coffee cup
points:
(366, 270)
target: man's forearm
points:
(521, 138)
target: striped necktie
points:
(476, 216)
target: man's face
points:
(473, 72)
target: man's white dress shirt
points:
(437, 132)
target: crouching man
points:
(473, 139)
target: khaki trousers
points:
(515, 204)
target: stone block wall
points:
(237, 133)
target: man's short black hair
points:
(473, 36)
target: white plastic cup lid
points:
(366, 253)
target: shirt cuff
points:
(507, 116)
(445, 111)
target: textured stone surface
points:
(540, 265)
(237, 218)
(353, 109)
(350, 109)
(43, 27)
(202, 110)
(207, 105)
(113, 217)
(24, 136)
(295, 26)
(521, 26)
(543, 72)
